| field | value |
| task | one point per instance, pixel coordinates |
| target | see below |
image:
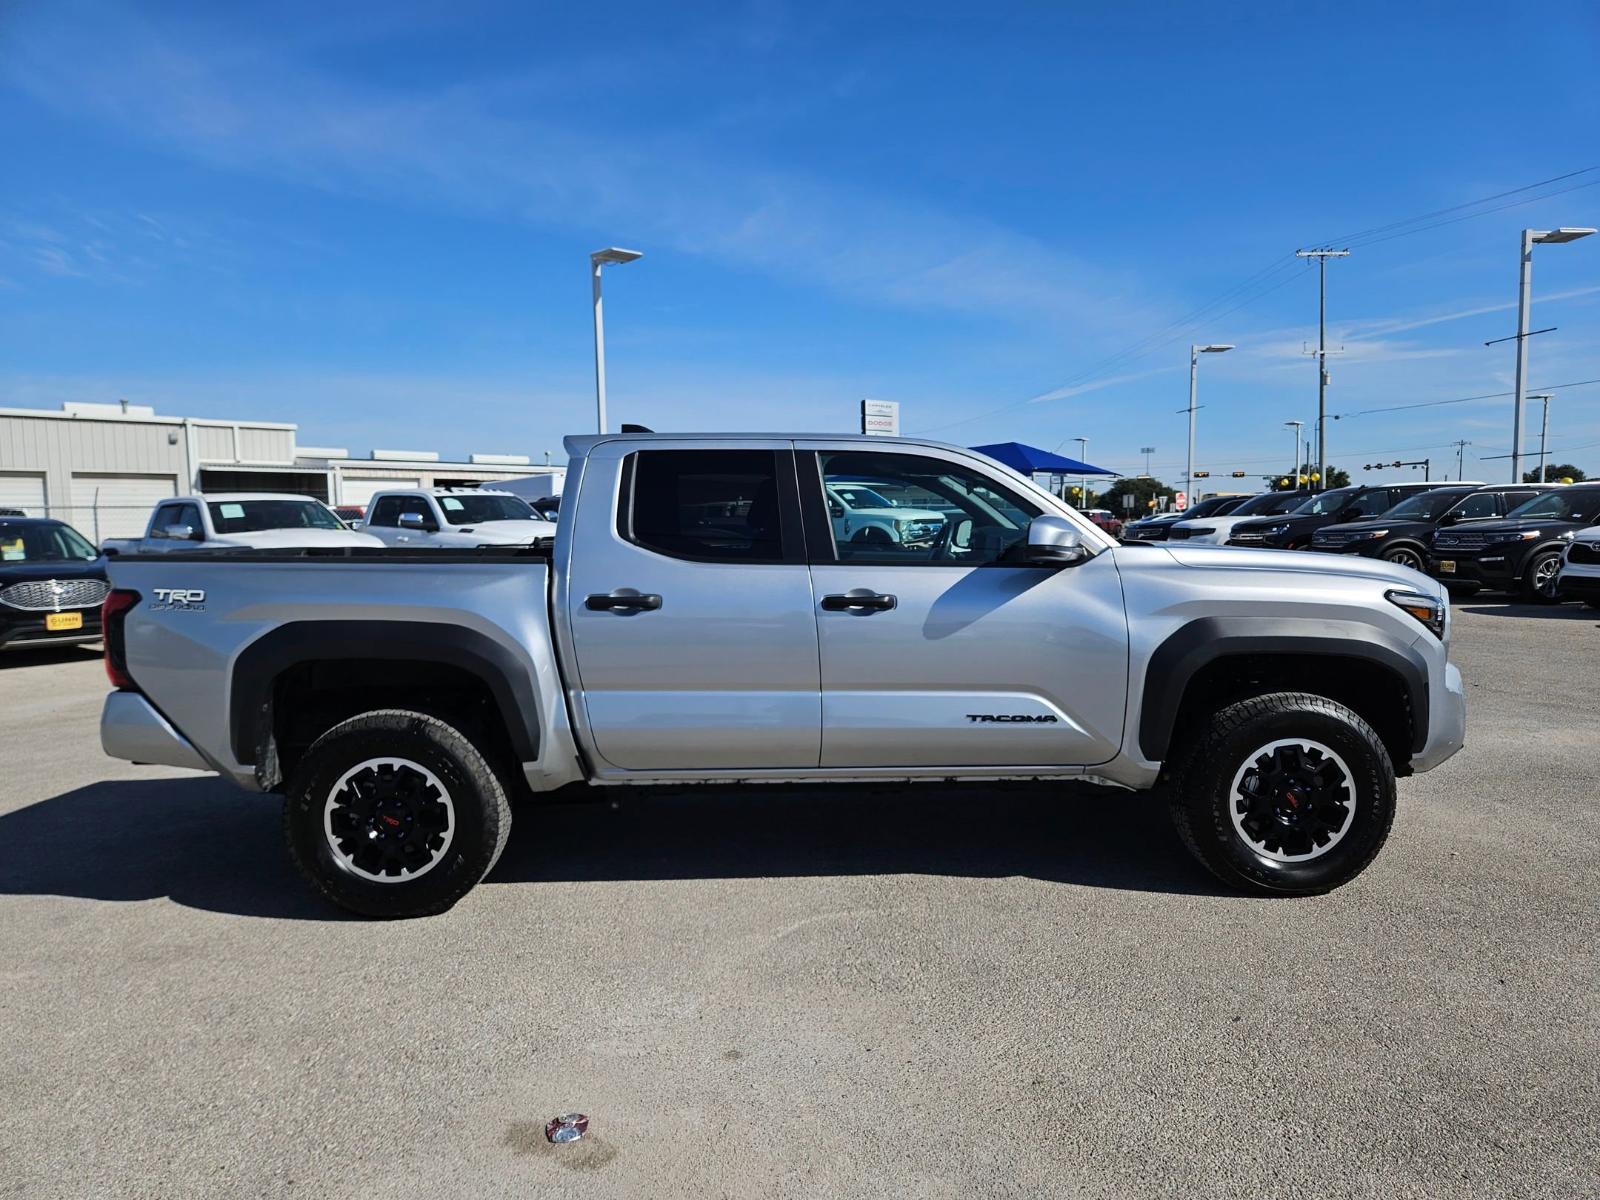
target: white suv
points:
(454, 518)
(1579, 578)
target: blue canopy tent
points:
(1025, 460)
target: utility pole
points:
(1544, 433)
(1322, 256)
(1297, 425)
(1083, 481)
(1461, 452)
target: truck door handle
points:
(859, 600)
(628, 601)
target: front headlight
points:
(1432, 613)
(1530, 535)
(1370, 533)
(1273, 530)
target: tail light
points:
(116, 606)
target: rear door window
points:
(710, 505)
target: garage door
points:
(360, 489)
(117, 505)
(24, 491)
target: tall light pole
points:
(1083, 480)
(1147, 451)
(611, 254)
(1297, 426)
(1544, 431)
(1194, 368)
(1322, 257)
(1530, 238)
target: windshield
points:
(1569, 504)
(255, 516)
(1269, 504)
(856, 496)
(1212, 506)
(48, 541)
(1324, 503)
(1427, 506)
(491, 506)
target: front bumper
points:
(131, 728)
(1578, 583)
(1497, 568)
(26, 627)
(1447, 720)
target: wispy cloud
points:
(1064, 393)
(474, 149)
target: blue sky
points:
(375, 220)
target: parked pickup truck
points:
(239, 521)
(448, 518)
(698, 620)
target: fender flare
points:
(259, 665)
(1203, 641)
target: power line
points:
(1276, 275)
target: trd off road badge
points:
(179, 600)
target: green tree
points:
(1143, 492)
(1337, 478)
(1556, 474)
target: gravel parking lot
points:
(785, 993)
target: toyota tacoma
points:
(698, 619)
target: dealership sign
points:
(881, 417)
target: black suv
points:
(1401, 534)
(1520, 553)
(51, 583)
(1156, 528)
(1293, 530)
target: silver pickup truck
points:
(697, 620)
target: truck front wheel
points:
(395, 814)
(1285, 794)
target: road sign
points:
(1180, 501)
(880, 417)
(1127, 501)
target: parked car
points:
(1520, 553)
(240, 521)
(1294, 530)
(547, 506)
(351, 514)
(1401, 534)
(1579, 578)
(1156, 528)
(52, 582)
(1216, 528)
(12, 512)
(454, 518)
(1105, 519)
(398, 704)
(860, 513)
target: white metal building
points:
(102, 467)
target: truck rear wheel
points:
(1285, 794)
(395, 814)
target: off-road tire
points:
(475, 794)
(1201, 792)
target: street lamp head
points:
(1217, 349)
(614, 254)
(1564, 234)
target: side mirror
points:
(417, 523)
(835, 509)
(183, 533)
(1449, 518)
(1056, 542)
